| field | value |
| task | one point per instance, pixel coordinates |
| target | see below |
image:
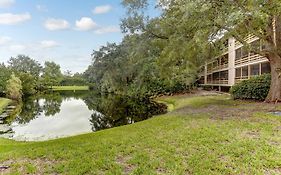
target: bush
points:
(255, 88)
(14, 88)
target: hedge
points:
(255, 88)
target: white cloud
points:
(102, 9)
(85, 24)
(4, 40)
(12, 19)
(109, 29)
(6, 3)
(48, 44)
(56, 24)
(17, 48)
(41, 8)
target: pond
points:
(69, 113)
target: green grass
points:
(178, 102)
(70, 88)
(4, 102)
(174, 143)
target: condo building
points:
(235, 64)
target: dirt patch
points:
(194, 93)
(272, 171)
(123, 161)
(251, 134)
(161, 170)
(225, 111)
(274, 143)
(20, 165)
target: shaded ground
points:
(209, 134)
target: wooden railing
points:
(249, 59)
(247, 39)
(223, 66)
(239, 79)
(221, 81)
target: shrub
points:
(255, 88)
(14, 88)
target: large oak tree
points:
(199, 23)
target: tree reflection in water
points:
(120, 110)
(33, 106)
(108, 110)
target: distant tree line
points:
(24, 76)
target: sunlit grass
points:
(178, 102)
(166, 144)
(4, 102)
(70, 88)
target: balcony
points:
(250, 59)
(219, 67)
(247, 39)
(218, 81)
(239, 79)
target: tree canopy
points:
(25, 64)
(194, 29)
(51, 74)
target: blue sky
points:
(64, 31)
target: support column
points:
(231, 61)
(205, 74)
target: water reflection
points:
(119, 110)
(59, 114)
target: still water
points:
(62, 114)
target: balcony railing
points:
(223, 66)
(239, 79)
(221, 81)
(247, 39)
(250, 59)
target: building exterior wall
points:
(236, 64)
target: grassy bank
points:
(70, 88)
(201, 135)
(4, 102)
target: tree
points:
(199, 24)
(51, 74)
(28, 83)
(14, 88)
(5, 74)
(25, 64)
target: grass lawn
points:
(4, 102)
(200, 135)
(70, 88)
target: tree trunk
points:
(274, 94)
(274, 57)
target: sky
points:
(63, 31)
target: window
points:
(244, 52)
(241, 53)
(255, 69)
(224, 75)
(216, 63)
(216, 76)
(238, 54)
(265, 68)
(245, 71)
(224, 59)
(238, 72)
(209, 78)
